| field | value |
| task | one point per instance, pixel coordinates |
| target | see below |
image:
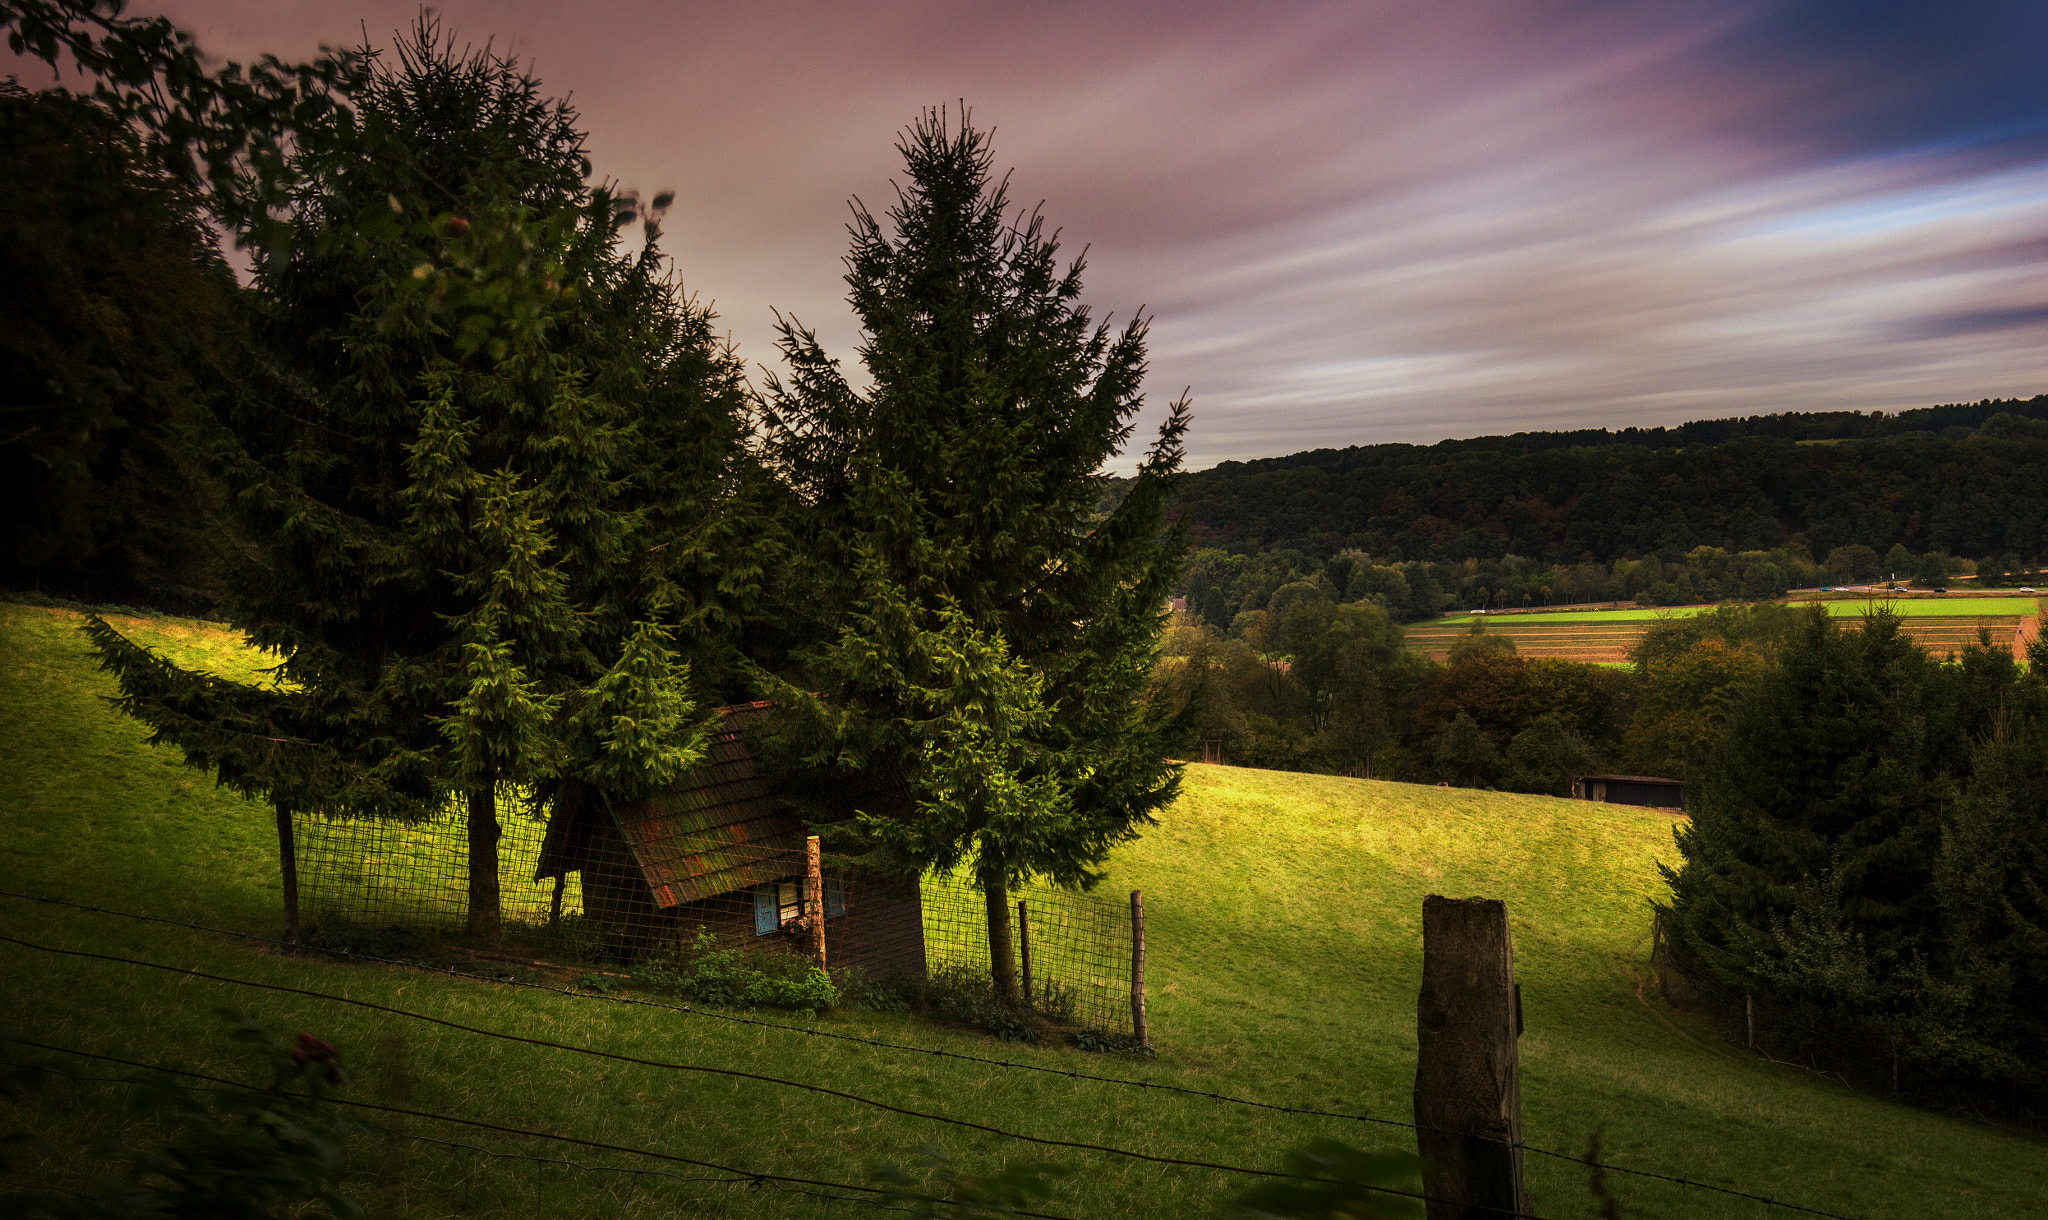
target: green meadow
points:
(1283, 916)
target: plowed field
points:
(1606, 636)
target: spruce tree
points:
(977, 633)
(489, 462)
(1816, 823)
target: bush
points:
(966, 995)
(723, 978)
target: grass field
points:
(1283, 927)
(1940, 624)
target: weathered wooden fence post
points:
(1024, 951)
(1468, 1094)
(814, 897)
(1138, 1030)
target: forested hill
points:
(1965, 480)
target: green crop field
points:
(1283, 931)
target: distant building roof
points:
(1633, 779)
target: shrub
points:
(723, 978)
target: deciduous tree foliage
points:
(491, 464)
(977, 633)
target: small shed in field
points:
(722, 853)
(1652, 791)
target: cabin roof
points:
(723, 827)
(720, 828)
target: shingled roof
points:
(723, 827)
(719, 829)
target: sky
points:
(1354, 223)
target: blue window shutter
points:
(764, 910)
(835, 898)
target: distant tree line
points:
(1819, 498)
(1321, 686)
(1229, 591)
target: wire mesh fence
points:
(416, 875)
(1867, 1055)
(1071, 952)
(672, 892)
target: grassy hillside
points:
(1283, 919)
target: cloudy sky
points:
(1363, 222)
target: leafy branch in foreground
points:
(234, 1153)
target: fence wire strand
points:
(1684, 1182)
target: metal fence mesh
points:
(668, 903)
(1078, 946)
(416, 875)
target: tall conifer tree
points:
(980, 633)
(491, 462)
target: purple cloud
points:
(1355, 223)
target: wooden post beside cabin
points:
(814, 897)
(1468, 1093)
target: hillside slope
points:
(1283, 920)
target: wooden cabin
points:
(722, 852)
(1652, 791)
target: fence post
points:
(1468, 1094)
(1024, 951)
(1138, 1029)
(814, 897)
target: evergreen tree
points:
(1808, 861)
(115, 295)
(977, 632)
(1991, 882)
(490, 462)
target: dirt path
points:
(2030, 627)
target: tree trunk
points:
(483, 866)
(1002, 960)
(288, 870)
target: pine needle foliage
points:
(1869, 845)
(493, 465)
(975, 631)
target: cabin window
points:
(781, 903)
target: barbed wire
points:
(1048, 1141)
(1682, 1181)
(740, 1174)
(733, 1176)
